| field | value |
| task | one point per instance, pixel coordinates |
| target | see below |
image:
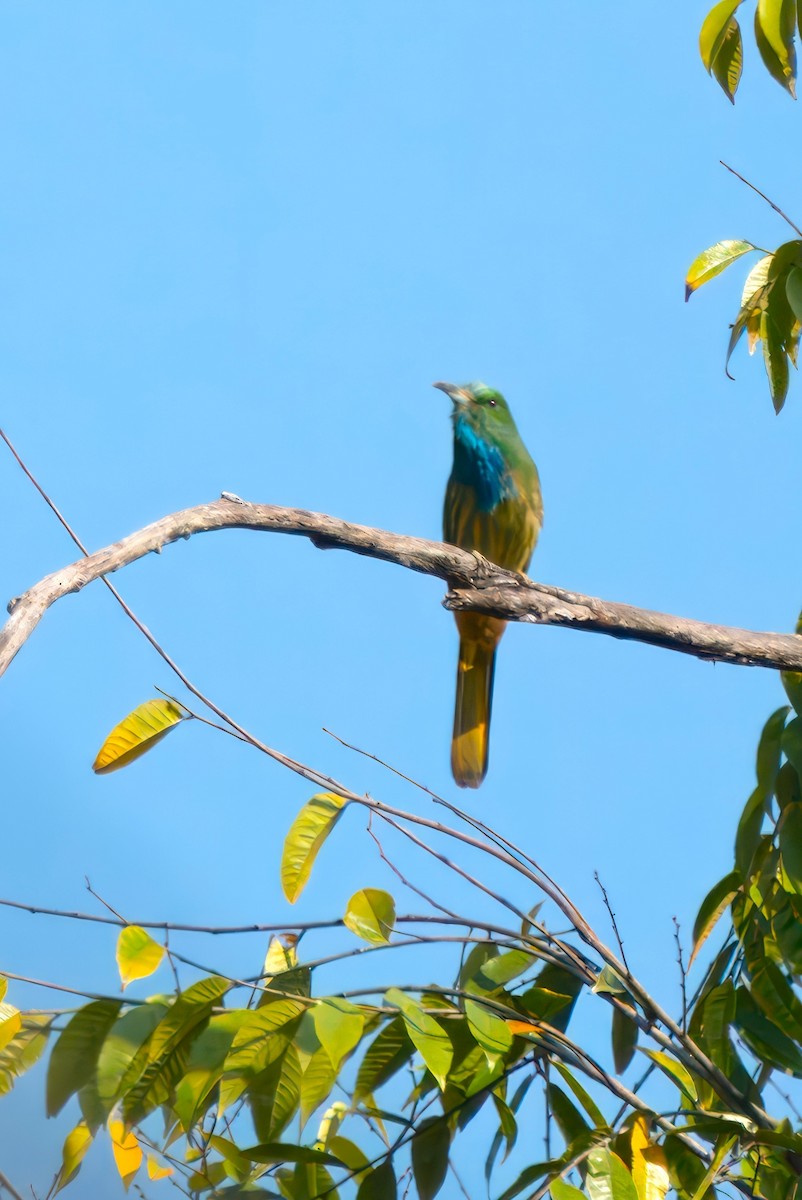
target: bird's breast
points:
(480, 465)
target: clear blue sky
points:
(239, 241)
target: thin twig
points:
(763, 196)
(611, 913)
(682, 975)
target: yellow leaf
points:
(10, 1023)
(280, 957)
(126, 1151)
(3, 986)
(712, 262)
(139, 732)
(76, 1144)
(138, 955)
(649, 1164)
(524, 1028)
(307, 834)
(156, 1170)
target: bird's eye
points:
(492, 403)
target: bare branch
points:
(476, 585)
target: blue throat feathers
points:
(480, 465)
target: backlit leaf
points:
(756, 280)
(338, 1025)
(649, 1164)
(387, 1054)
(371, 915)
(560, 1190)
(607, 1178)
(125, 1040)
(127, 1152)
(275, 1095)
(73, 1059)
(427, 1036)
(777, 21)
(138, 955)
(714, 29)
(156, 1170)
(307, 834)
(728, 63)
(776, 49)
(10, 1024)
(76, 1144)
(676, 1071)
(139, 732)
(714, 904)
(713, 261)
(490, 1031)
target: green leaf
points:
(138, 955)
(427, 1036)
(790, 838)
(763, 1037)
(569, 1119)
(502, 969)
(189, 1009)
(379, 1184)
(675, 1071)
(714, 904)
(625, 1040)
(430, 1147)
(560, 1190)
(607, 1178)
(793, 290)
(713, 261)
(318, 1078)
(205, 1067)
(126, 1038)
(709, 1177)
(281, 1152)
(610, 983)
(275, 1095)
(593, 1111)
(136, 734)
(728, 63)
(528, 1176)
(72, 1062)
(768, 750)
(776, 361)
(776, 20)
(386, 1055)
(792, 743)
(371, 915)
(338, 1025)
(777, 999)
(490, 1031)
(307, 834)
(777, 52)
(714, 30)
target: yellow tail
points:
(477, 660)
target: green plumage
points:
(493, 505)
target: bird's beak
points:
(457, 394)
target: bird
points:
(493, 505)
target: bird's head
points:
(482, 407)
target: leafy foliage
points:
(776, 25)
(771, 305)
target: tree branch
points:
(477, 585)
